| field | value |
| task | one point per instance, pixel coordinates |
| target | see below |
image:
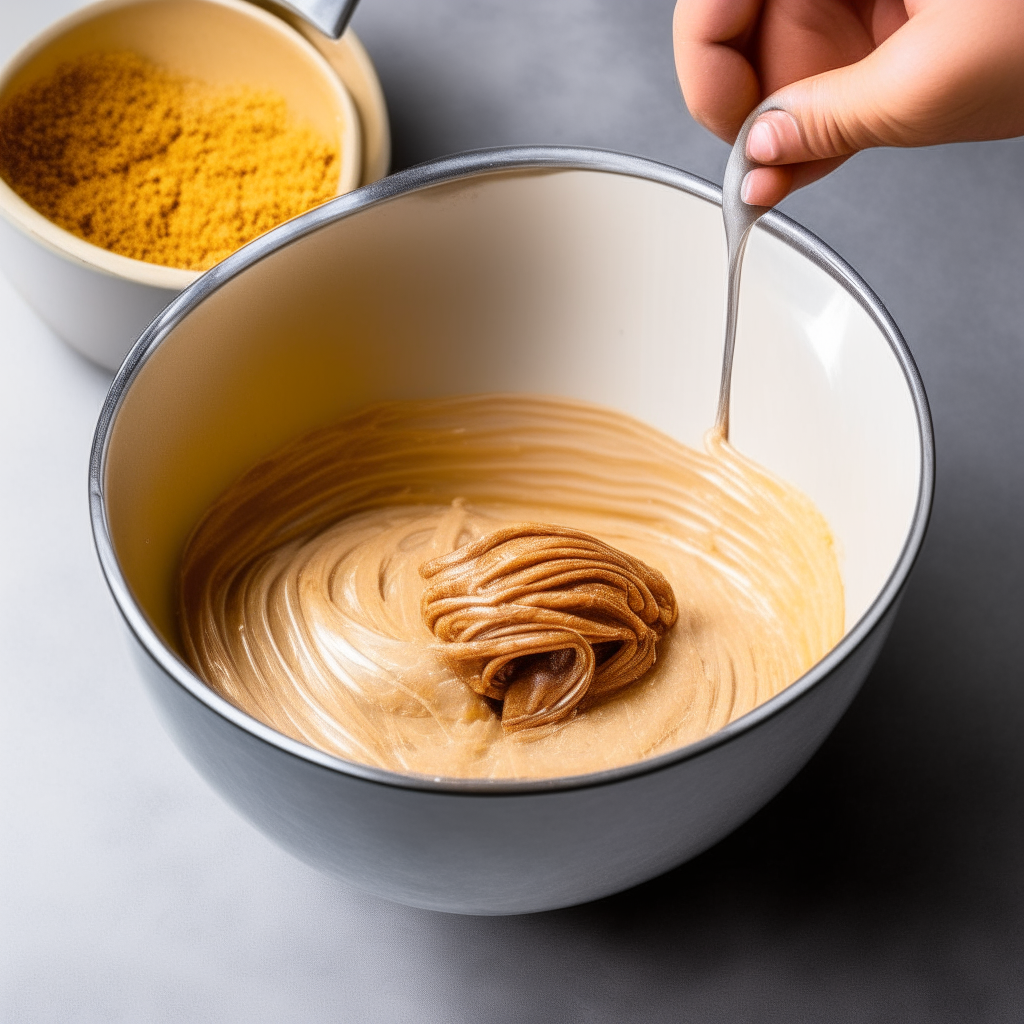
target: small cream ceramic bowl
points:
(99, 301)
(568, 272)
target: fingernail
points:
(763, 142)
(745, 188)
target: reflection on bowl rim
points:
(70, 246)
(436, 172)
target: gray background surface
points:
(885, 884)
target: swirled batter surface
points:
(301, 588)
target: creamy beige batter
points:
(302, 599)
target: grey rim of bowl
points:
(435, 172)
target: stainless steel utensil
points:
(739, 218)
(327, 16)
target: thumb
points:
(827, 117)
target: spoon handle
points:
(739, 218)
(328, 16)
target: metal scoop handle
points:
(739, 219)
(327, 16)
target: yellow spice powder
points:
(160, 167)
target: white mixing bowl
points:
(569, 272)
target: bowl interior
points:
(222, 42)
(583, 283)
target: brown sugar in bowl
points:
(98, 301)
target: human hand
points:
(851, 74)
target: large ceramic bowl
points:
(569, 272)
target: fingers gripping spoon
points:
(739, 218)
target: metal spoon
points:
(739, 219)
(328, 16)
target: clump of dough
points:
(540, 617)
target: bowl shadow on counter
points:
(905, 805)
(897, 846)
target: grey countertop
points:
(885, 884)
